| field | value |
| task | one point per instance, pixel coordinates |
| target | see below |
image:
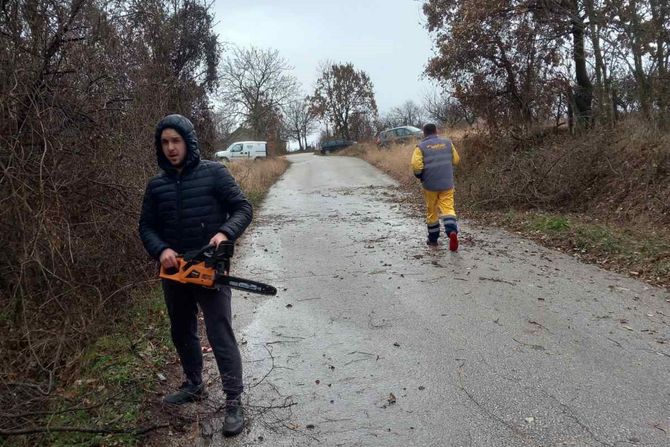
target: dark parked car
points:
(402, 134)
(333, 145)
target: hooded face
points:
(174, 147)
(176, 144)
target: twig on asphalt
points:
(47, 429)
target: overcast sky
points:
(386, 38)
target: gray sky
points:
(386, 38)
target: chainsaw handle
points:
(225, 249)
(169, 270)
(196, 253)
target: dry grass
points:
(393, 160)
(458, 133)
(256, 177)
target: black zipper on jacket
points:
(179, 226)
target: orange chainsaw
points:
(209, 267)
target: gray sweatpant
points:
(182, 302)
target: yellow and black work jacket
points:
(433, 163)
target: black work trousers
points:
(182, 302)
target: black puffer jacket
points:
(182, 211)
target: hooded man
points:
(192, 203)
(433, 163)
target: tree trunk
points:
(583, 94)
(659, 11)
(638, 54)
(570, 112)
(521, 109)
(603, 84)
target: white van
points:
(244, 149)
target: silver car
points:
(402, 134)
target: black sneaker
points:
(188, 392)
(233, 423)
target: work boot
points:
(188, 392)
(453, 241)
(432, 243)
(233, 423)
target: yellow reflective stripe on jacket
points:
(417, 160)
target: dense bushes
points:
(619, 174)
(82, 83)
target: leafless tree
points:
(444, 109)
(341, 93)
(256, 85)
(407, 114)
(224, 125)
(299, 121)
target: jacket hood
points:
(185, 128)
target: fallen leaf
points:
(625, 326)
(391, 399)
(530, 419)
(161, 377)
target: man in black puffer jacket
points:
(190, 204)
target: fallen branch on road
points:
(47, 429)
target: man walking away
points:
(433, 162)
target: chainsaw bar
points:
(246, 284)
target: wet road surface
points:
(376, 340)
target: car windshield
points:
(413, 129)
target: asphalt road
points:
(376, 340)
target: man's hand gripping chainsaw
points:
(209, 267)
